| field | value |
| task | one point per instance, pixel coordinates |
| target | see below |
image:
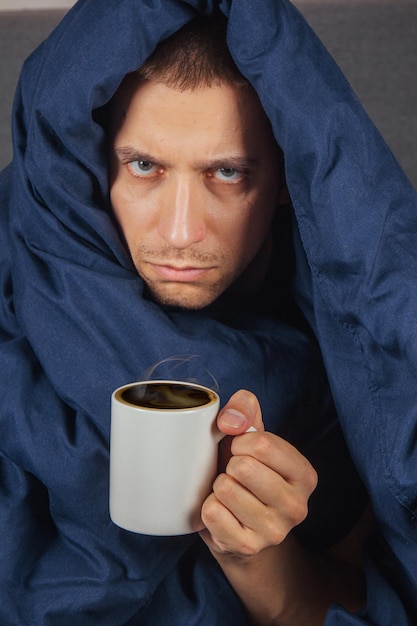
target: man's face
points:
(194, 182)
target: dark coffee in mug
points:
(166, 395)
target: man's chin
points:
(190, 297)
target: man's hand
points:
(259, 497)
(264, 490)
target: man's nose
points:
(181, 222)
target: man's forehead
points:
(133, 82)
(200, 129)
(216, 100)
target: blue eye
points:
(143, 167)
(227, 174)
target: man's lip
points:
(179, 274)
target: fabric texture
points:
(75, 325)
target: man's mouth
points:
(178, 273)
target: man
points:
(80, 321)
(195, 181)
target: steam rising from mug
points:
(186, 367)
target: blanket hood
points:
(355, 236)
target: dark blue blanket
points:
(74, 324)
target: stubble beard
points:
(191, 296)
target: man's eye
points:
(143, 168)
(227, 174)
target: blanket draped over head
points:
(75, 324)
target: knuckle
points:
(223, 487)
(274, 531)
(263, 446)
(210, 511)
(299, 511)
(310, 477)
(293, 509)
(242, 468)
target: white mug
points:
(163, 455)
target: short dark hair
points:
(195, 56)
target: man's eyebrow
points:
(233, 162)
(240, 163)
(126, 153)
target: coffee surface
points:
(156, 395)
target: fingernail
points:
(233, 418)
